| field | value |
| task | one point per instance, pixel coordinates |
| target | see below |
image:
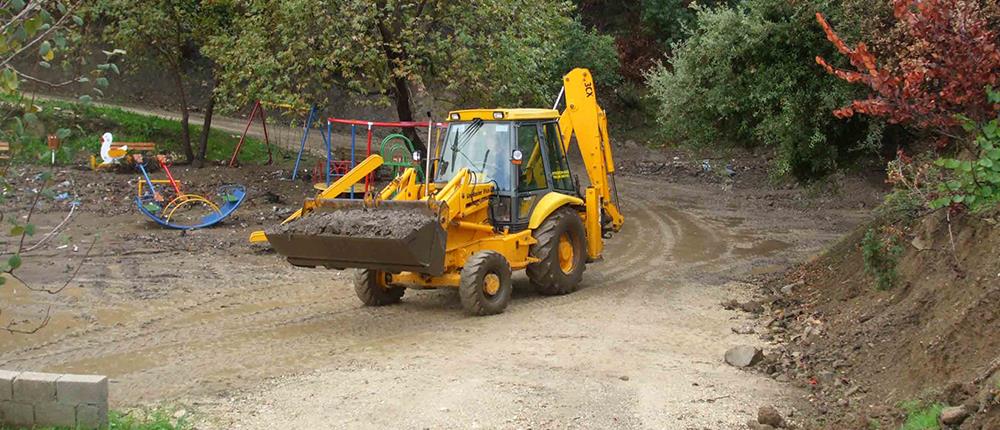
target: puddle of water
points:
(113, 365)
(761, 249)
(27, 310)
(768, 269)
(694, 243)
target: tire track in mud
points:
(204, 347)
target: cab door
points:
(543, 168)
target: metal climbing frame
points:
(369, 126)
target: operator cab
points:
(520, 151)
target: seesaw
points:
(173, 208)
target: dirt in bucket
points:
(357, 222)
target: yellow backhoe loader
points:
(502, 197)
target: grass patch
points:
(920, 416)
(86, 123)
(157, 419)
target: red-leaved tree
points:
(951, 57)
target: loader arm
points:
(585, 118)
(462, 196)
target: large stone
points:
(7, 384)
(954, 415)
(76, 389)
(55, 414)
(17, 414)
(744, 356)
(769, 415)
(35, 387)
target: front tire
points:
(486, 286)
(562, 251)
(373, 289)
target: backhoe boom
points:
(585, 118)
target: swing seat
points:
(232, 196)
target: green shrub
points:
(583, 47)
(921, 417)
(900, 206)
(670, 20)
(974, 183)
(881, 252)
(747, 77)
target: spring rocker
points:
(173, 208)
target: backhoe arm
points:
(585, 118)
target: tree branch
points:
(45, 321)
(76, 272)
(42, 81)
(43, 36)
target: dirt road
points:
(278, 126)
(247, 341)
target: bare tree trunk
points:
(401, 88)
(185, 116)
(206, 129)
(405, 111)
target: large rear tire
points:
(373, 288)
(562, 251)
(486, 286)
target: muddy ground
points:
(242, 339)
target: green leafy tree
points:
(670, 20)
(171, 33)
(743, 78)
(44, 32)
(974, 182)
(390, 51)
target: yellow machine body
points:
(466, 204)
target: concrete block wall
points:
(29, 399)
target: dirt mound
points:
(358, 222)
(932, 339)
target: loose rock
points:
(790, 288)
(744, 356)
(954, 415)
(769, 415)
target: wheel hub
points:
(565, 253)
(491, 284)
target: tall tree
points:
(171, 33)
(42, 31)
(485, 51)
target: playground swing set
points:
(165, 202)
(395, 148)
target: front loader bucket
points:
(338, 234)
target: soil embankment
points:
(933, 339)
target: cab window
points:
(531, 174)
(483, 148)
(558, 165)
